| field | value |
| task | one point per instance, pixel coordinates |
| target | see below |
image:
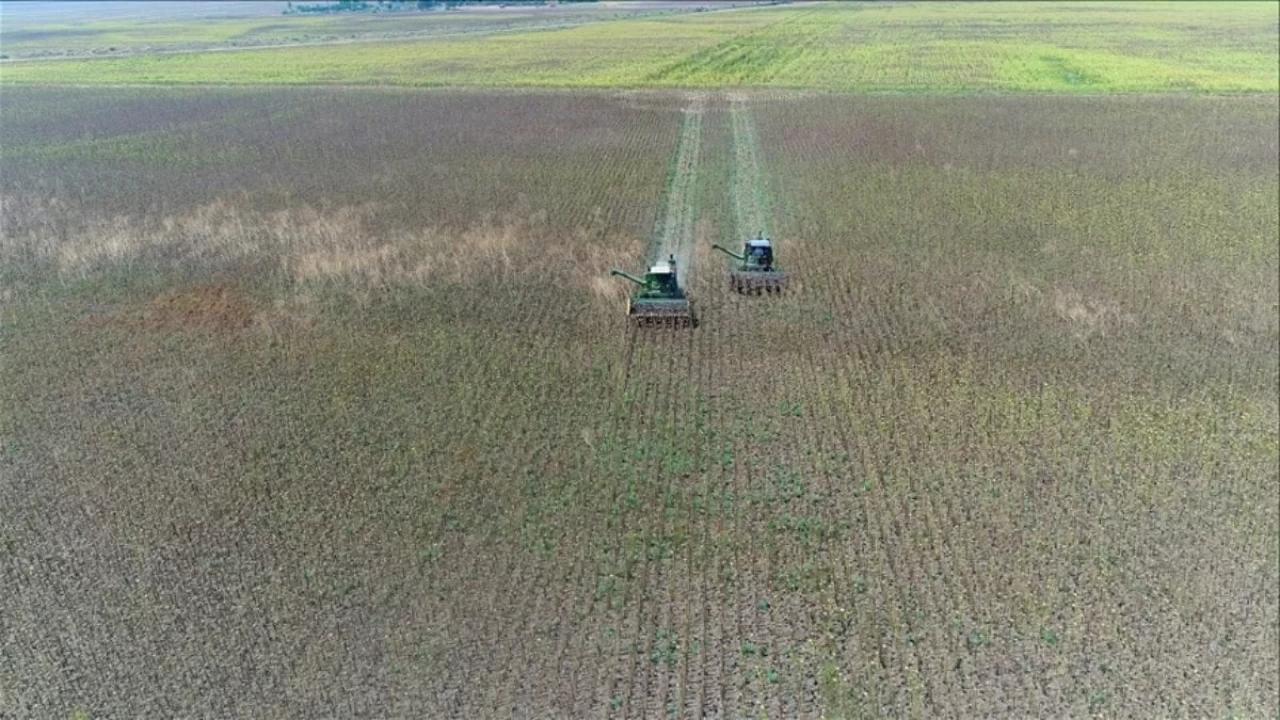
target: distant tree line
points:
(447, 4)
(344, 6)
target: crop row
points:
(1007, 447)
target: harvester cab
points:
(759, 254)
(659, 300)
(755, 273)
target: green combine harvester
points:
(660, 300)
(756, 273)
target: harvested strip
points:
(675, 232)
(750, 210)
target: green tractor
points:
(660, 300)
(756, 273)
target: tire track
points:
(673, 234)
(750, 208)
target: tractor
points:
(755, 274)
(660, 300)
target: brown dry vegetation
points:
(312, 403)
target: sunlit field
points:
(321, 402)
(318, 399)
(1080, 48)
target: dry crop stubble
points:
(656, 646)
(701, 564)
(763, 462)
(651, 532)
(308, 248)
(800, 573)
(354, 260)
(674, 237)
(1064, 392)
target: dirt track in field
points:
(750, 204)
(674, 234)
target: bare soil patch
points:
(211, 307)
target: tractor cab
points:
(661, 281)
(759, 253)
(755, 273)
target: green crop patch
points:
(1037, 47)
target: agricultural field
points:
(317, 397)
(320, 402)
(1060, 48)
(78, 28)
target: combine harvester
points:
(660, 300)
(756, 274)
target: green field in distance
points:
(1075, 48)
